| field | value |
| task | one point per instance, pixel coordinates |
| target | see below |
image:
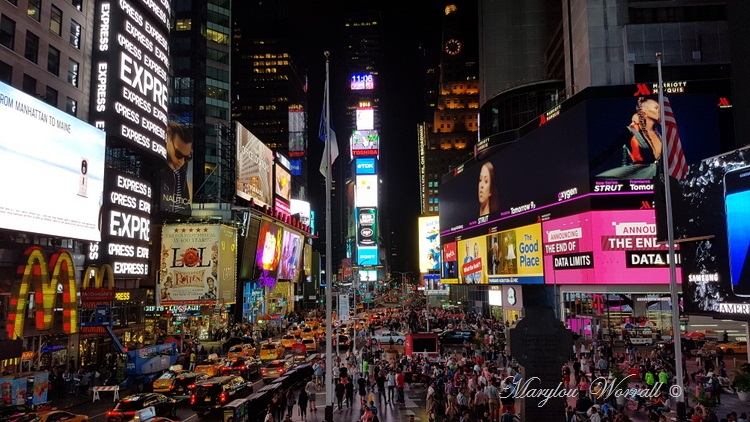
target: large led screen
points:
(365, 118)
(365, 143)
(362, 82)
(268, 253)
(289, 266)
(366, 191)
(367, 256)
(515, 256)
(429, 244)
(712, 204)
(52, 169)
(472, 261)
(297, 132)
(129, 73)
(364, 166)
(367, 227)
(449, 266)
(254, 168)
(605, 247)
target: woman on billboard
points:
(643, 147)
(488, 200)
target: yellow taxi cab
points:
(732, 348)
(295, 330)
(271, 351)
(60, 415)
(312, 322)
(312, 345)
(211, 366)
(307, 333)
(165, 381)
(288, 341)
(240, 351)
(320, 331)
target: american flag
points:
(678, 167)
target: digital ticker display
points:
(130, 69)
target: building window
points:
(216, 36)
(35, 9)
(73, 72)
(55, 22)
(29, 85)
(53, 61)
(32, 47)
(184, 25)
(75, 34)
(78, 4)
(51, 96)
(7, 32)
(13, 2)
(71, 106)
(6, 73)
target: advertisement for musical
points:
(198, 261)
(515, 256)
(606, 247)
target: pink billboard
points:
(605, 247)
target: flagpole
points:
(329, 255)
(676, 337)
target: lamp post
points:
(403, 279)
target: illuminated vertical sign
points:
(129, 72)
(367, 226)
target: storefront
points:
(253, 303)
(280, 298)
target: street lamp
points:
(403, 279)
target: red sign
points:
(97, 295)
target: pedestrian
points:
(390, 382)
(302, 401)
(349, 393)
(290, 402)
(311, 389)
(400, 383)
(340, 391)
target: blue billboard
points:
(364, 166)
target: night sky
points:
(406, 26)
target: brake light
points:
(116, 413)
(242, 368)
(223, 397)
(281, 370)
(263, 371)
(192, 399)
(191, 386)
(171, 387)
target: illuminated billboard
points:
(429, 243)
(365, 143)
(289, 265)
(254, 168)
(515, 256)
(301, 208)
(282, 186)
(605, 247)
(366, 191)
(472, 261)
(449, 266)
(367, 226)
(129, 87)
(362, 82)
(365, 118)
(176, 175)
(127, 219)
(198, 264)
(297, 132)
(52, 169)
(268, 253)
(364, 166)
(367, 256)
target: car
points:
(16, 413)
(288, 341)
(388, 337)
(341, 341)
(216, 392)
(211, 366)
(240, 366)
(311, 345)
(732, 348)
(456, 336)
(127, 408)
(295, 330)
(240, 350)
(233, 341)
(165, 381)
(272, 351)
(274, 369)
(60, 415)
(307, 332)
(184, 384)
(312, 322)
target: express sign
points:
(126, 237)
(131, 63)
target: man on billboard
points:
(175, 192)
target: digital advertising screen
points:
(126, 213)
(472, 260)
(53, 169)
(429, 243)
(367, 226)
(367, 256)
(268, 253)
(295, 167)
(364, 166)
(282, 187)
(366, 191)
(297, 132)
(301, 208)
(365, 143)
(515, 256)
(129, 93)
(714, 206)
(605, 247)
(365, 118)
(254, 168)
(449, 266)
(362, 82)
(190, 264)
(289, 266)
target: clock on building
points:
(453, 46)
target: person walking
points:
(340, 391)
(390, 382)
(302, 400)
(349, 393)
(290, 401)
(311, 389)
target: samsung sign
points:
(364, 166)
(127, 229)
(129, 82)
